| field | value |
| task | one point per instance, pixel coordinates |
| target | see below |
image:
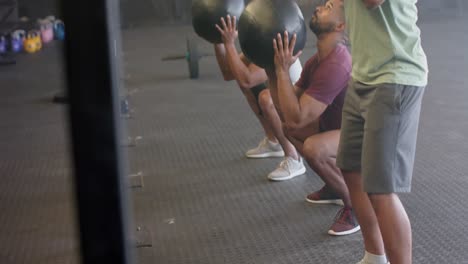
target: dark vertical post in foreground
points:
(92, 59)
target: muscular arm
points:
(235, 66)
(246, 74)
(371, 4)
(300, 111)
(220, 53)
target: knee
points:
(382, 200)
(314, 152)
(264, 101)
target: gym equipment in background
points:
(192, 56)
(59, 30)
(47, 31)
(33, 43)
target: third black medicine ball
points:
(207, 13)
(261, 21)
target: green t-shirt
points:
(386, 43)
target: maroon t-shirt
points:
(326, 81)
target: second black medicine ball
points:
(261, 21)
(207, 13)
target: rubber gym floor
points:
(202, 201)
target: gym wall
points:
(164, 12)
(167, 12)
(35, 9)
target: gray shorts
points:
(378, 134)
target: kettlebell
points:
(59, 30)
(15, 45)
(17, 39)
(47, 31)
(3, 45)
(19, 33)
(32, 43)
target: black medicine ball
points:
(261, 21)
(207, 13)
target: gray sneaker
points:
(287, 169)
(265, 149)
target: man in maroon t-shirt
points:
(311, 109)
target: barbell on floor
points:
(192, 56)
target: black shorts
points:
(256, 90)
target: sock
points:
(374, 259)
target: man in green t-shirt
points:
(380, 122)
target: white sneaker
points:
(265, 149)
(363, 261)
(287, 169)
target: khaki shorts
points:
(378, 134)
